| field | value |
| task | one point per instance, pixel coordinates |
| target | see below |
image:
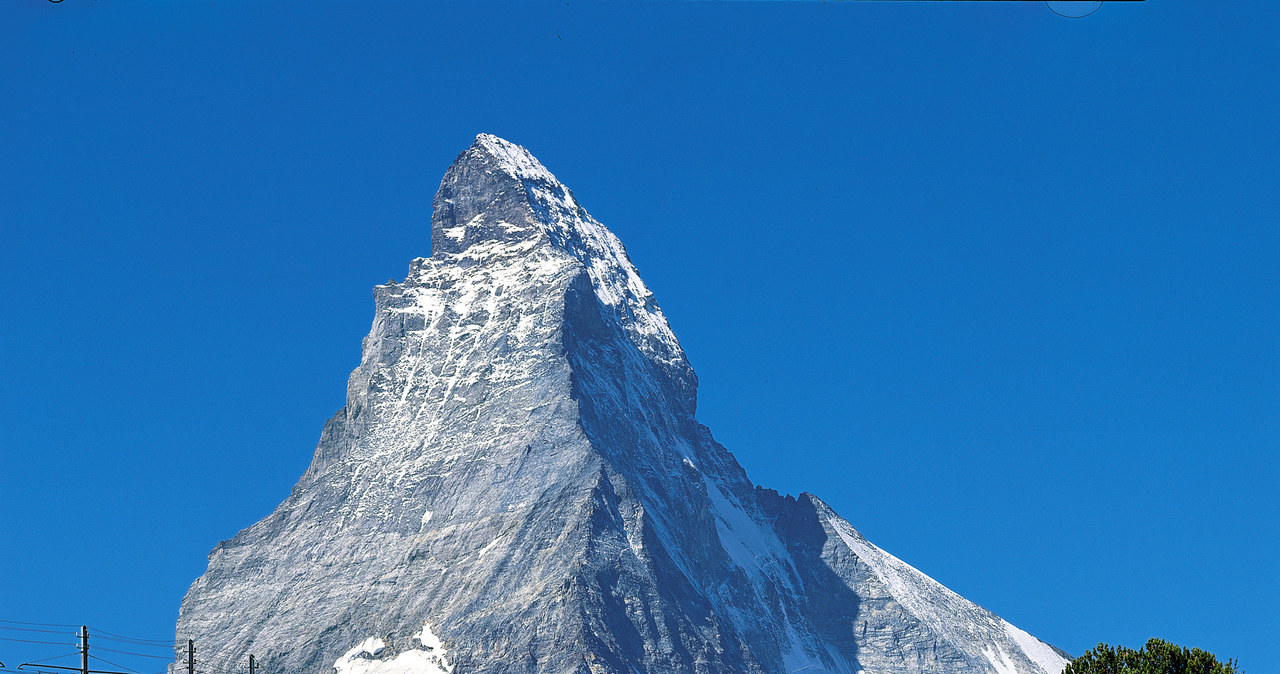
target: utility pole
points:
(253, 666)
(191, 656)
(84, 649)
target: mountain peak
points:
(498, 192)
(518, 485)
(512, 158)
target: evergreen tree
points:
(1157, 657)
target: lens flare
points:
(1074, 9)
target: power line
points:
(19, 622)
(141, 655)
(30, 641)
(159, 642)
(31, 629)
(113, 664)
(139, 642)
(186, 651)
(81, 669)
(109, 636)
(53, 658)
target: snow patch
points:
(797, 659)
(1002, 665)
(955, 619)
(1037, 651)
(487, 548)
(369, 648)
(897, 576)
(432, 658)
(746, 542)
(431, 642)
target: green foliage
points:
(1157, 657)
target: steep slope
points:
(518, 484)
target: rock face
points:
(518, 484)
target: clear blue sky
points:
(1003, 288)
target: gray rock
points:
(518, 484)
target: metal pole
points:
(191, 656)
(84, 649)
(253, 666)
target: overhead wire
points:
(99, 635)
(105, 634)
(32, 629)
(32, 641)
(134, 671)
(19, 622)
(128, 642)
(53, 658)
(96, 633)
(141, 655)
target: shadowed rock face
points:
(518, 484)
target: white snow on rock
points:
(570, 227)
(949, 615)
(1038, 651)
(1001, 663)
(432, 658)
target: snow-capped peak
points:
(514, 159)
(497, 191)
(518, 474)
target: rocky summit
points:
(518, 483)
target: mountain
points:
(518, 483)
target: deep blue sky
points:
(1003, 288)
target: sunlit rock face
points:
(518, 484)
